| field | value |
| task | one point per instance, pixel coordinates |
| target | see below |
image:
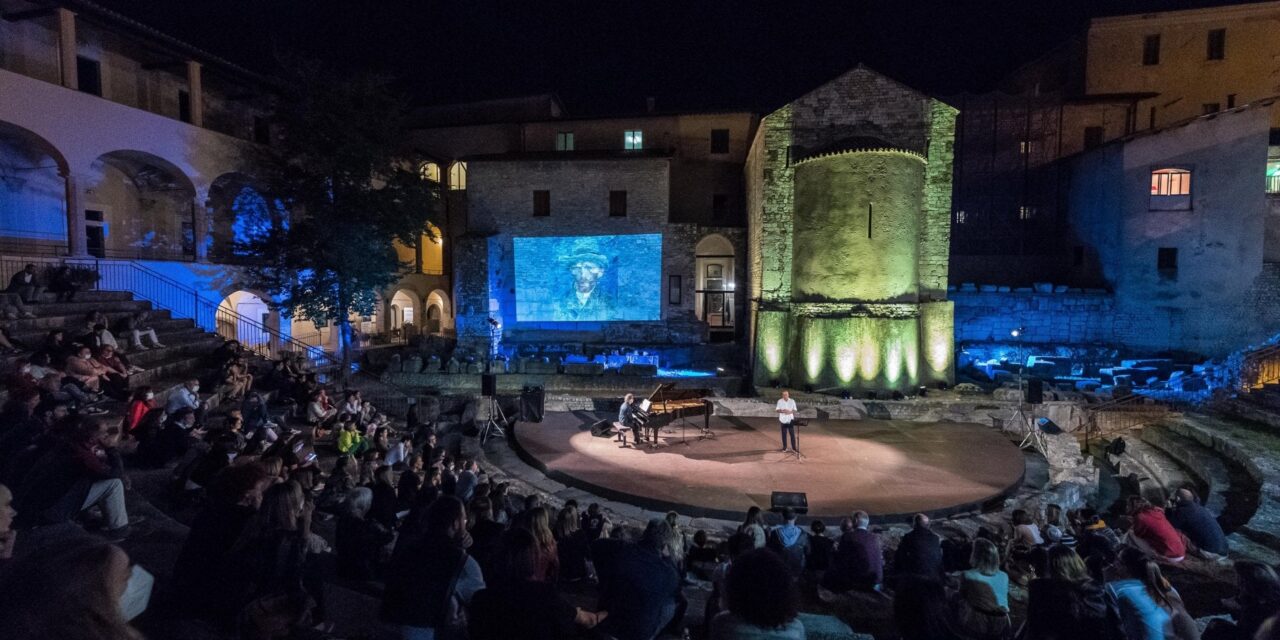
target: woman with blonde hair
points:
(538, 522)
(572, 545)
(69, 591)
(982, 604)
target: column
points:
(77, 241)
(195, 89)
(67, 48)
(200, 230)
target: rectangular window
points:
(1209, 107)
(719, 141)
(1151, 118)
(675, 290)
(1216, 46)
(617, 204)
(541, 203)
(1170, 182)
(961, 217)
(719, 206)
(564, 141)
(1092, 137)
(262, 134)
(633, 139)
(1231, 100)
(89, 75)
(1151, 50)
(184, 105)
(1167, 261)
(1026, 213)
(1024, 147)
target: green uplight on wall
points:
(814, 354)
(772, 340)
(846, 362)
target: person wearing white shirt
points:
(786, 417)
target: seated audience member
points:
(822, 550)
(56, 347)
(270, 565)
(399, 451)
(410, 482)
(8, 536)
(170, 440)
(69, 590)
(350, 441)
(736, 545)
(385, 503)
(1257, 599)
(572, 545)
(83, 369)
(983, 602)
(236, 381)
(186, 397)
(1197, 523)
(762, 600)
(753, 526)
(1147, 605)
(468, 478)
(26, 284)
(486, 534)
(519, 603)
(859, 560)
(920, 609)
(62, 285)
(82, 470)
(19, 410)
(1066, 603)
(703, 556)
(1152, 533)
(790, 542)
(360, 539)
(639, 585)
(431, 579)
(537, 520)
(1025, 532)
(1055, 524)
(318, 413)
(200, 580)
(136, 326)
(920, 551)
(142, 403)
(115, 373)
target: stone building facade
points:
(848, 199)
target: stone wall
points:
(1073, 318)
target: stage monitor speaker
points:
(1035, 391)
(531, 403)
(1048, 426)
(797, 500)
(488, 384)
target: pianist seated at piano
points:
(627, 420)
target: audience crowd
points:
(295, 485)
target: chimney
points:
(649, 104)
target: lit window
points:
(633, 139)
(1273, 176)
(1170, 182)
(564, 141)
(429, 171)
(1024, 147)
(961, 217)
(458, 176)
(1026, 213)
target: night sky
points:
(606, 56)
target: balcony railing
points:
(1273, 185)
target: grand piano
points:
(668, 404)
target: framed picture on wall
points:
(675, 291)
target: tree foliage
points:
(346, 186)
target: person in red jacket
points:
(142, 402)
(1153, 533)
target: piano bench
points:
(621, 432)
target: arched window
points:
(458, 176)
(1170, 182)
(429, 171)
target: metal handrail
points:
(1122, 414)
(1260, 367)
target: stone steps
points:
(1253, 449)
(1157, 471)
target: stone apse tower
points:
(849, 205)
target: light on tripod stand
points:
(493, 322)
(1017, 332)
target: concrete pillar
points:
(200, 229)
(195, 89)
(77, 241)
(67, 48)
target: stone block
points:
(988, 288)
(584, 368)
(1062, 288)
(1043, 287)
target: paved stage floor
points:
(889, 468)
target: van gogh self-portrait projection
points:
(588, 278)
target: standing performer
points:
(786, 418)
(627, 418)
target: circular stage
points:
(889, 468)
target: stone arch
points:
(405, 312)
(33, 211)
(439, 300)
(714, 281)
(458, 175)
(139, 206)
(238, 210)
(239, 315)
